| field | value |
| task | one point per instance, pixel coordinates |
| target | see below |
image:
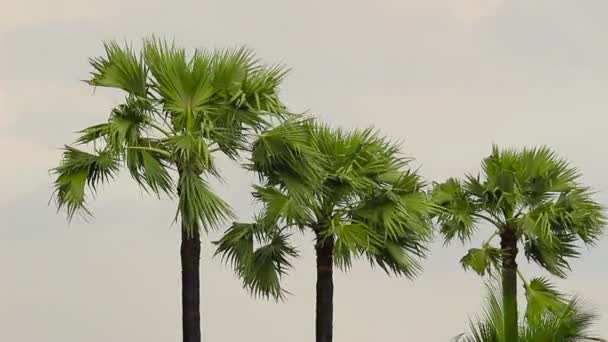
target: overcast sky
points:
(447, 77)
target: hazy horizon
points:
(447, 78)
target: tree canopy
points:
(353, 187)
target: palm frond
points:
(280, 207)
(285, 153)
(542, 296)
(482, 260)
(150, 170)
(185, 92)
(260, 90)
(198, 204)
(552, 257)
(78, 170)
(551, 318)
(121, 68)
(457, 217)
(401, 258)
(259, 256)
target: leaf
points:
(505, 182)
(542, 295)
(554, 256)
(260, 268)
(93, 133)
(236, 245)
(77, 170)
(120, 68)
(281, 207)
(269, 262)
(198, 204)
(571, 324)
(456, 217)
(482, 260)
(185, 92)
(396, 257)
(150, 171)
(192, 150)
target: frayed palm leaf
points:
(555, 319)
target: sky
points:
(448, 78)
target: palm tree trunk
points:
(190, 257)
(508, 246)
(325, 289)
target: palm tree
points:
(551, 320)
(352, 190)
(530, 197)
(179, 113)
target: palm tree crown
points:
(350, 188)
(178, 112)
(533, 192)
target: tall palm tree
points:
(529, 197)
(547, 320)
(352, 190)
(179, 112)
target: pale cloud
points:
(446, 77)
(475, 9)
(459, 9)
(24, 166)
(6, 117)
(23, 13)
(32, 120)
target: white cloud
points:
(24, 167)
(20, 13)
(475, 9)
(448, 77)
(6, 116)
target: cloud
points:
(25, 166)
(20, 13)
(446, 77)
(475, 9)
(559, 32)
(6, 117)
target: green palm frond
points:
(268, 264)
(396, 213)
(351, 239)
(457, 219)
(552, 256)
(284, 156)
(93, 133)
(260, 90)
(400, 257)
(231, 67)
(150, 170)
(78, 170)
(198, 204)
(260, 257)
(489, 327)
(121, 68)
(280, 207)
(124, 127)
(553, 318)
(482, 260)
(186, 92)
(542, 296)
